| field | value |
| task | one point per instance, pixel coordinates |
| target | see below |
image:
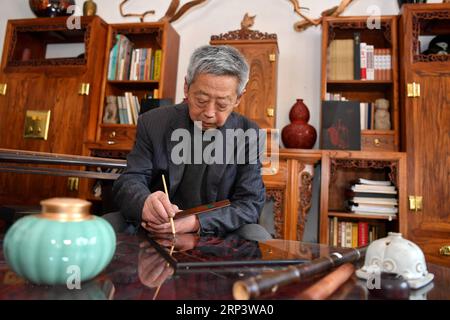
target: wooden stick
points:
(326, 286)
(172, 224)
(202, 209)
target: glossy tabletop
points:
(205, 269)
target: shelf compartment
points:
(360, 216)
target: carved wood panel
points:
(304, 205)
(420, 20)
(261, 52)
(276, 195)
(260, 96)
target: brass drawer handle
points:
(112, 134)
(111, 142)
(445, 251)
(3, 87)
(376, 142)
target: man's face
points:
(211, 99)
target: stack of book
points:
(129, 63)
(371, 197)
(127, 108)
(351, 59)
(353, 234)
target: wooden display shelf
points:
(365, 91)
(360, 216)
(340, 169)
(132, 82)
(360, 82)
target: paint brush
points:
(172, 224)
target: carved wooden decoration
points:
(420, 23)
(363, 163)
(245, 33)
(276, 195)
(308, 22)
(306, 180)
(384, 25)
(12, 62)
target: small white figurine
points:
(382, 116)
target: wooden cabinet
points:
(364, 91)
(37, 76)
(340, 169)
(290, 190)
(426, 129)
(261, 52)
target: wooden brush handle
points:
(202, 209)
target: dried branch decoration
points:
(172, 14)
(308, 22)
(140, 16)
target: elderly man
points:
(214, 84)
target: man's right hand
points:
(157, 211)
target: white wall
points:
(299, 62)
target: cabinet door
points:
(259, 102)
(66, 131)
(428, 146)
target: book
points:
(377, 201)
(363, 234)
(356, 56)
(348, 234)
(363, 57)
(374, 189)
(367, 187)
(341, 125)
(373, 209)
(370, 70)
(351, 193)
(157, 66)
(354, 235)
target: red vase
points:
(299, 134)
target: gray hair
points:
(219, 61)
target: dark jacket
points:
(150, 158)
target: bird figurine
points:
(247, 22)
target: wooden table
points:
(138, 272)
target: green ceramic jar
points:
(62, 244)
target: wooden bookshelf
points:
(116, 140)
(341, 168)
(154, 35)
(365, 90)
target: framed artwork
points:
(341, 125)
